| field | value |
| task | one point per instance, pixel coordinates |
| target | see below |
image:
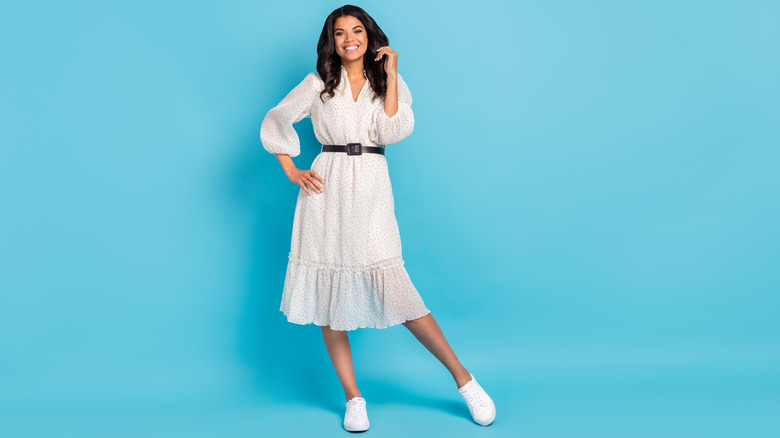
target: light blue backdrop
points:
(588, 204)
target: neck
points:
(354, 68)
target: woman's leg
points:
(337, 344)
(428, 332)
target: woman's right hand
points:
(306, 177)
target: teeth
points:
(350, 48)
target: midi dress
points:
(345, 266)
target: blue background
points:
(589, 205)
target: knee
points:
(416, 320)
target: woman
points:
(345, 268)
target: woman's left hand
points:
(391, 59)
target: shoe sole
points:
(356, 428)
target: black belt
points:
(352, 148)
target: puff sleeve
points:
(276, 131)
(388, 130)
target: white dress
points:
(345, 266)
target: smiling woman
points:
(351, 47)
(345, 40)
(346, 268)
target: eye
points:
(358, 31)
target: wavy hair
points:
(329, 62)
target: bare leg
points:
(337, 344)
(428, 332)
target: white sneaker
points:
(356, 417)
(481, 406)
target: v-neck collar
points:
(349, 86)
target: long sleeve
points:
(276, 132)
(388, 130)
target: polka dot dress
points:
(345, 266)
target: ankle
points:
(461, 377)
(351, 395)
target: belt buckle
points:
(354, 149)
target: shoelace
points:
(356, 408)
(474, 397)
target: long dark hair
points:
(329, 62)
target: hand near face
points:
(391, 59)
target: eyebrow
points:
(343, 29)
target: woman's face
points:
(350, 38)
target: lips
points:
(350, 49)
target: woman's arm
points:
(391, 68)
(279, 137)
(391, 99)
(388, 129)
(286, 162)
(395, 120)
(276, 131)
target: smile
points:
(350, 49)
